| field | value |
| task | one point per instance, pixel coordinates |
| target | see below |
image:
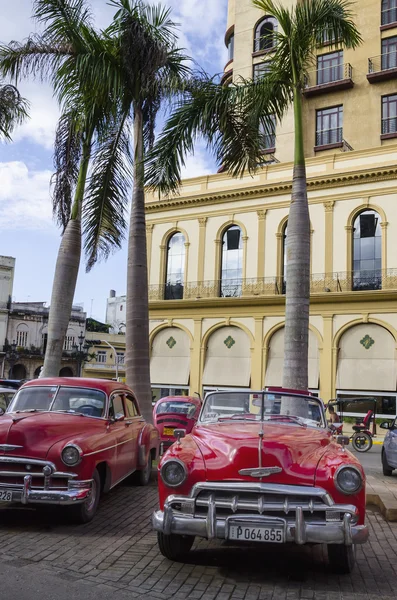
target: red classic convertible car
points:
(65, 440)
(175, 412)
(261, 467)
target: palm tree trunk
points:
(65, 278)
(295, 373)
(137, 325)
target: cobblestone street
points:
(118, 552)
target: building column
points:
(261, 243)
(257, 377)
(201, 248)
(327, 371)
(196, 359)
(149, 241)
(329, 237)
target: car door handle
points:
(128, 423)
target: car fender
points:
(148, 440)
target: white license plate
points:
(5, 496)
(260, 533)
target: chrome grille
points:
(14, 469)
(282, 501)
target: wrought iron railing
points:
(383, 62)
(389, 15)
(330, 74)
(389, 125)
(276, 286)
(329, 136)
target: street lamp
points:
(116, 358)
(80, 352)
(11, 356)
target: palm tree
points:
(230, 119)
(13, 110)
(84, 136)
(153, 69)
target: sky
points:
(27, 229)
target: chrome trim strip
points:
(108, 448)
(260, 471)
(57, 474)
(262, 488)
(26, 461)
(8, 447)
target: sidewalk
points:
(382, 492)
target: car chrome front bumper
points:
(76, 493)
(298, 531)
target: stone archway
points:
(18, 371)
(66, 372)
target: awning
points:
(275, 362)
(170, 358)
(228, 358)
(366, 359)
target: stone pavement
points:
(118, 553)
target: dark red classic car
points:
(261, 467)
(63, 441)
(175, 412)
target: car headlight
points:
(71, 455)
(173, 472)
(348, 479)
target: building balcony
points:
(321, 283)
(382, 67)
(329, 79)
(329, 138)
(389, 18)
(389, 128)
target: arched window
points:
(22, 335)
(264, 34)
(367, 251)
(284, 263)
(230, 47)
(232, 262)
(175, 273)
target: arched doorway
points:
(37, 372)
(275, 361)
(18, 371)
(170, 363)
(66, 372)
(228, 359)
(367, 367)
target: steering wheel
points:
(88, 409)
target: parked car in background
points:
(12, 383)
(173, 412)
(6, 395)
(261, 467)
(63, 441)
(389, 448)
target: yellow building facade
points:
(216, 251)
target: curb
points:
(386, 503)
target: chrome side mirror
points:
(386, 425)
(179, 434)
(343, 440)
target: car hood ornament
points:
(260, 471)
(8, 447)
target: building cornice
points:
(313, 183)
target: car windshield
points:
(266, 406)
(183, 408)
(59, 398)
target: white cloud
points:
(24, 198)
(197, 164)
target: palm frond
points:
(67, 155)
(228, 118)
(13, 110)
(104, 222)
(64, 19)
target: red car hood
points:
(37, 432)
(229, 447)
